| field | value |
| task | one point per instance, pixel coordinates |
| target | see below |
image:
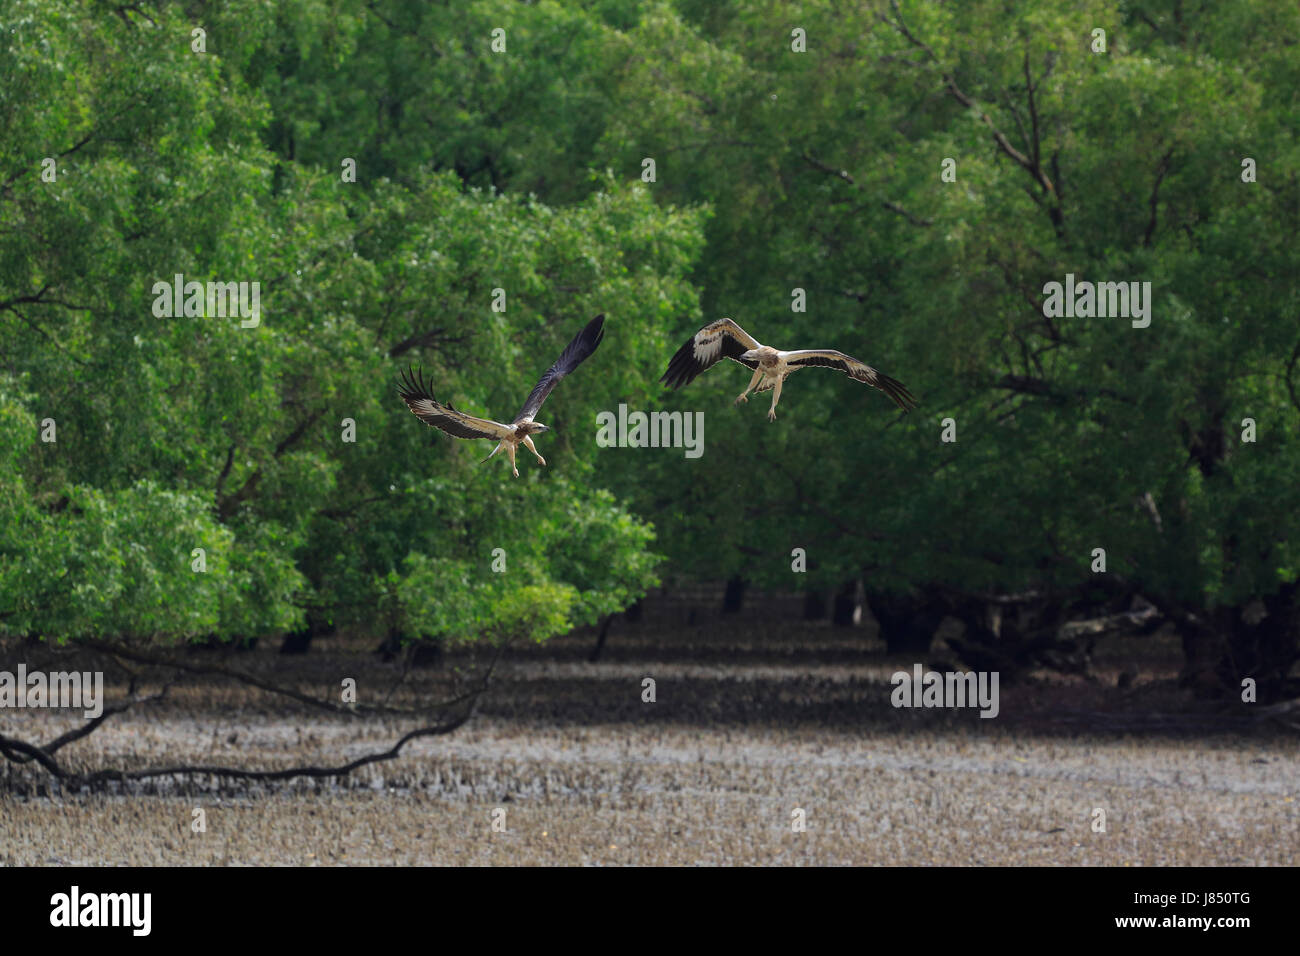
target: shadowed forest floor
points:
(752, 721)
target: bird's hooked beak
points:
(751, 355)
(541, 427)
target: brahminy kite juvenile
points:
(519, 432)
(725, 339)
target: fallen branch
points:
(1282, 713)
(236, 773)
(190, 667)
(1109, 622)
(22, 752)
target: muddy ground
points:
(755, 720)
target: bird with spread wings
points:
(725, 339)
(519, 432)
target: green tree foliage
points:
(822, 170)
(173, 434)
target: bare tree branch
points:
(1031, 164)
(20, 751)
(226, 505)
(1290, 369)
(436, 336)
(843, 174)
(1154, 202)
(190, 667)
(237, 773)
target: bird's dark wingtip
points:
(411, 384)
(898, 392)
(592, 334)
(681, 367)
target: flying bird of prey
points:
(519, 432)
(725, 339)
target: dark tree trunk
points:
(214, 643)
(733, 598)
(1017, 636)
(814, 605)
(424, 653)
(907, 621)
(631, 614)
(1274, 647)
(600, 639)
(846, 602)
(299, 642)
(296, 642)
(390, 646)
(1259, 639)
(1203, 652)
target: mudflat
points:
(765, 744)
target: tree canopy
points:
(901, 181)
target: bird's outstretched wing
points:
(703, 350)
(583, 344)
(829, 358)
(432, 412)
